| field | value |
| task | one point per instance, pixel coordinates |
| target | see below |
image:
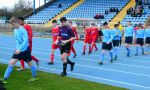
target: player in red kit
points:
(72, 42)
(55, 33)
(94, 36)
(30, 35)
(87, 39)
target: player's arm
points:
(112, 36)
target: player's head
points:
(92, 24)
(116, 26)
(139, 26)
(14, 22)
(63, 21)
(105, 25)
(54, 23)
(129, 23)
(70, 23)
(21, 21)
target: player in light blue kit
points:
(147, 38)
(139, 37)
(128, 35)
(116, 39)
(107, 37)
(22, 51)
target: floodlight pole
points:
(33, 6)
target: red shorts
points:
(87, 40)
(94, 40)
(54, 46)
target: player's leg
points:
(102, 57)
(64, 53)
(116, 52)
(22, 66)
(90, 48)
(33, 57)
(110, 48)
(33, 71)
(137, 49)
(128, 49)
(84, 49)
(52, 57)
(8, 71)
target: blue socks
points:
(115, 51)
(137, 50)
(33, 71)
(111, 54)
(8, 71)
(102, 56)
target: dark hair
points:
(105, 23)
(63, 19)
(92, 23)
(139, 25)
(70, 21)
(116, 25)
(54, 21)
(21, 18)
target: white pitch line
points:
(93, 77)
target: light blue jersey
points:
(129, 31)
(107, 35)
(117, 34)
(139, 33)
(22, 42)
(147, 33)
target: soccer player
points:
(30, 35)
(128, 35)
(77, 38)
(87, 39)
(22, 51)
(139, 37)
(94, 36)
(107, 38)
(121, 29)
(147, 38)
(66, 35)
(116, 39)
(55, 34)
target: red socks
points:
(34, 58)
(52, 57)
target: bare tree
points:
(22, 7)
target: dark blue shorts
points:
(140, 41)
(25, 55)
(147, 41)
(106, 46)
(128, 40)
(116, 43)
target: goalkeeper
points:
(66, 35)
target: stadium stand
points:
(138, 18)
(51, 11)
(92, 7)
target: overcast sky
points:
(10, 3)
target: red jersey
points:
(94, 33)
(55, 33)
(87, 33)
(75, 32)
(29, 30)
